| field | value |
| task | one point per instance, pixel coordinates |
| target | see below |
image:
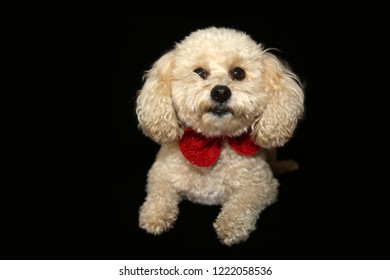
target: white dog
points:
(215, 103)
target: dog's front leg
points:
(240, 212)
(160, 209)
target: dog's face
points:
(220, 82)
(216, 82)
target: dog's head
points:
(220, 82)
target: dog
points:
(218, 103)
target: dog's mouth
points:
(220, 110)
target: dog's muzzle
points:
(221, 95)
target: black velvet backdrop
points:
(82, 165)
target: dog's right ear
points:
(155, 111)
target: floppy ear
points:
(156, 115)
(285, 104)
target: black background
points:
(82, 162)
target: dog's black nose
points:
(221, 93)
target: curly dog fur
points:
(265, 99)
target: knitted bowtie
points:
(203, 151)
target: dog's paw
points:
(155, 226)
(156, 221)
(232, 231)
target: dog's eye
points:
(201, 72)
(238, 74)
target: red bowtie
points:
(203, 151)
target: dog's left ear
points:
(285, 104)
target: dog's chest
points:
(212, 185)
